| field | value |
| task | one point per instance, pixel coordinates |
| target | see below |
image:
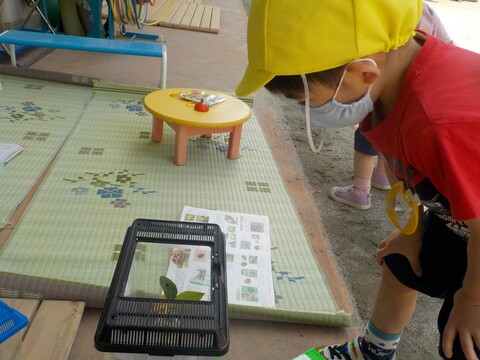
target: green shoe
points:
(311, 354)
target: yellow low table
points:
(167, 106)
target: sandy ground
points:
(354, 234)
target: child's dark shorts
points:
(363, 145)
(444, 262)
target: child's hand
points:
(464, 321)
(407, 245)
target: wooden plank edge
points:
(52, 330)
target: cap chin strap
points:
(307, 120)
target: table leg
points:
(180, 152)
(157, 129)
(13, 58)
(234, 142)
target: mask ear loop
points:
(307, 120)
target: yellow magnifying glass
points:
(402, 208)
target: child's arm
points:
(464, 319)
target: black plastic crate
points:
(141, 322)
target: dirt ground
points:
(354, 234)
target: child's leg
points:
(393, 309)
(394, 304)
(364, 158)
(363, 165)
(358, 194)
(443, 258)
(381, 164)
(379, 176)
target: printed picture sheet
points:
(8, 152)
(248, 258)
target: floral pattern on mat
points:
(112, 185)
(135, 106)
(218, 141)
(28, 111)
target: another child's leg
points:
(380, 163)
(363, 165)
(379, 176)
(358, 194)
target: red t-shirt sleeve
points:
(449, 159)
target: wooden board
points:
(185, 14)
(182, 14)
(52, 329)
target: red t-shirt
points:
(431, 138)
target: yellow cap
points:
(291, 37)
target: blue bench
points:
(70, 42)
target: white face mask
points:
(334, 114)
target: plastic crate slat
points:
(11, 321)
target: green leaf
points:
(168, 287)
(190, 295)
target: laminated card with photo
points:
(249, 267)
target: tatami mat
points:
(39, 115)
(109, 173)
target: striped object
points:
(183, 14)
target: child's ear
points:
(369, 71)
(370, 77)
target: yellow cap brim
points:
(252, 81)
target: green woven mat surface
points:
(109, 173)
(39, 115)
